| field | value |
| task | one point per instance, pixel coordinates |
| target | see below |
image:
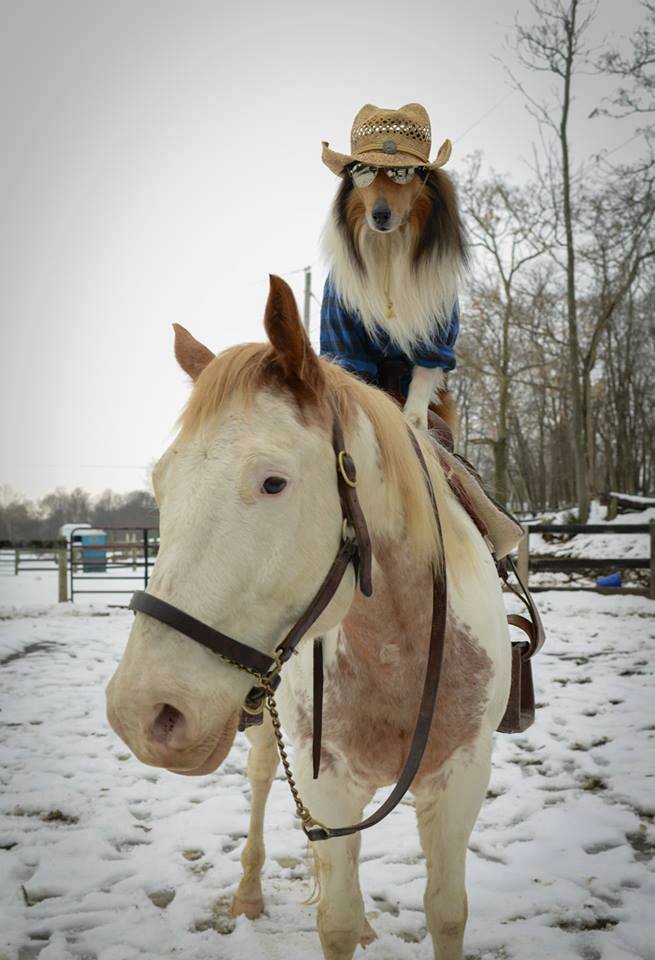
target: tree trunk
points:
(579, 446)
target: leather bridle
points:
(355, 548)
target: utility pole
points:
(308, 297)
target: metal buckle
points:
(348, 532)
(314, 829)
(342, 469)
(254, 711)
(270, 681)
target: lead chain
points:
(266, 683)
(308, 821)
(306, 817)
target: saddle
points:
(501, 532)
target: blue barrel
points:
(94, 554)
(611, 580)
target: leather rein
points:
(355, 548)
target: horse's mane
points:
(239, 373)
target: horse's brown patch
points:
(373, 691)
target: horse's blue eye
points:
(274, 485)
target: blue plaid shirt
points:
(345, 338)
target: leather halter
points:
(355, 547)
(267, 668)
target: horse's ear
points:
(191, 355)
(293, 355)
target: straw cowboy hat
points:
(389, 138)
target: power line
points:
(484, 116)
(624, 144)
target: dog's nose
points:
(381, 213)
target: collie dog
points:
(396, 254)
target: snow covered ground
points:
(105, 859)
(600, 544)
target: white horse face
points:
(250, 524)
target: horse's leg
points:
(446, 813)
(335, 800)
(262, 764)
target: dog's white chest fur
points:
(422, 297)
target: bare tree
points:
(636, 70)
(554, 43)
(508, 231)
(624, 408)
(619, 222)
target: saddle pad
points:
(500, 528)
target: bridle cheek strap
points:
(352, 510)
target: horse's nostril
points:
(168, 721)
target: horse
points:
(251, 519)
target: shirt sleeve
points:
(343, 337)
(440, 351)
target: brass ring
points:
(342, 469)
(344, 531)
(253, 712)
(310, 823)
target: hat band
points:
(379, 148)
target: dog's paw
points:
(417, 418)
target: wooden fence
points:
(38, 560)
(141, 555)
(528, 563)
(122, 558)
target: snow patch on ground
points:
(104, 858)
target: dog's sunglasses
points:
(363, 174)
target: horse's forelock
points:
(238, 374)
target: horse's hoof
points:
(249, 908)
(368, 936)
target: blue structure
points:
(94, 554)
(611, 580)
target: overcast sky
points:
(159, 159)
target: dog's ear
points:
(191, 355)
(293, 358)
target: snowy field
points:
(105, 859)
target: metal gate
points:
(100, 555)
